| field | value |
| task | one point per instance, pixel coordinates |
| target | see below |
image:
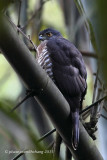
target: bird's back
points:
(68, 67)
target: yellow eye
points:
(49, 34)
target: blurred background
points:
(83, 24)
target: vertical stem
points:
(95, 110)
(19, 13)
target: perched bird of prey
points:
(65, 66)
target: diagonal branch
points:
(18, 156)
(27, 37)
(30, 94)
(104, 116)
(93, 104)
(46, 135)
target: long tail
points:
(75, 129)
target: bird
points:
(64, 64)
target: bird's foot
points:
(91, 130)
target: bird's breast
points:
(44, 59)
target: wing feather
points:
(68, 67)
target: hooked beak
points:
(41, 38)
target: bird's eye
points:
(49, 34)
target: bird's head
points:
(48, 33)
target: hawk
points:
(64, 64)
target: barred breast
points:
(43, 58)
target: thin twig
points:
(86, 114)
(27, 37)
(18, 156)
(103, 116)
(46, 135)
(93, 104)
(35, 47)
(30, 94)
(89, 54)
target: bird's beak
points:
(41, 38)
